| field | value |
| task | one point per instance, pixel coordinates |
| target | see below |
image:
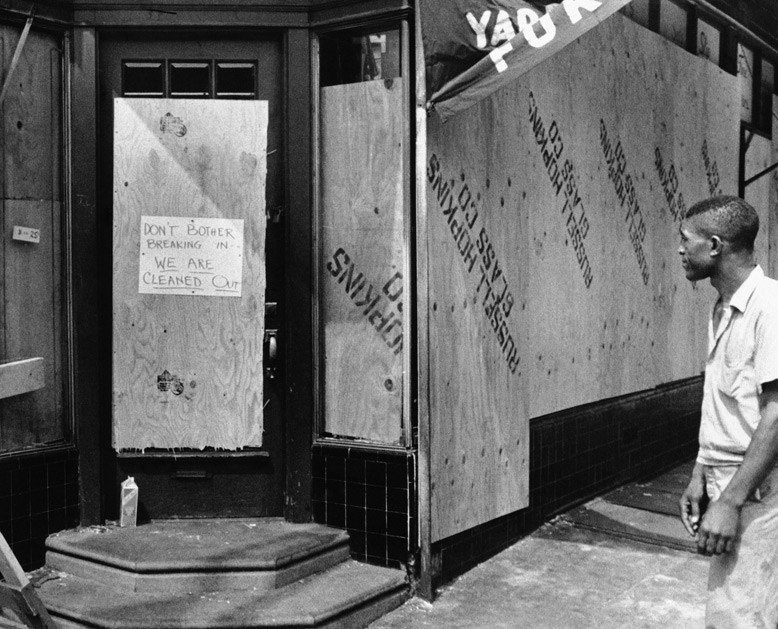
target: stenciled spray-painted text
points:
(562, 176)
(382, 309)
(669, 179)
(459, 207)
(625, 191)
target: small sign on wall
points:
(26, 234)
(191, 256)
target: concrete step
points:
(350, 594)
(182, 556)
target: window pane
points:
(672, 22)
(745, 72)
(236, 79)
(353, 57)
(637, 10)
(190, 78)
(708, 41)
(143, 78)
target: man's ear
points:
(716, 246)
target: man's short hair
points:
(731, 219)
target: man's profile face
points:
(695, 249)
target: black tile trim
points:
(38, 496)
(371, 493)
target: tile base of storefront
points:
(38, 496)
(371, 494)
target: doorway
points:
(195, 482)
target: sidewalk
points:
(621, 560)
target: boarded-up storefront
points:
(553, 213)
(329, 262)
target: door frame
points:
(93, 325)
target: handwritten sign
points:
(191, 256)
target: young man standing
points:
(731, 503)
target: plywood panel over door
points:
(188, 158)
(554, 209)
(31, 294)
(362, 255)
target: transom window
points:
(189, 78)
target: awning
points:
(473, 47)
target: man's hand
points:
(719, 528)
(691, 499)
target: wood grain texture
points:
(362, 258)
(600, 306)
(9, 565)
(31, 308)
(21, 376)
(758, 157)
(32, 284)
(210, 163)
(32, 110)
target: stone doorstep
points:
(350, 594)
(187, 556)
(180, 582)
(198, 545)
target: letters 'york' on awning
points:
(473, 47)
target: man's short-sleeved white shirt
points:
(742, 356)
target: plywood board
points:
(32, 291)
(362, 148)
(31, 287)
(21, 376)
(758, 157)
(32, 112)
(554, 209)
(187, 369)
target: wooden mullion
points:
(425, 576)
(756, 91)
(691, 29)
(408, 239)
(653, 15)
(4, 283)
(728, 51)
(319, 421)
(56, 75)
